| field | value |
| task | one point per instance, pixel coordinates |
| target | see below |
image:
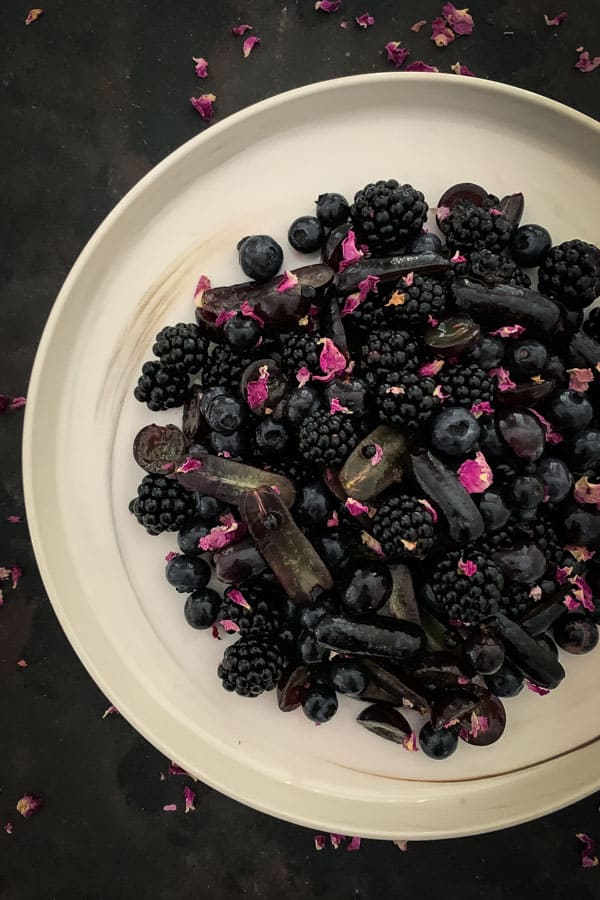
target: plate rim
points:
(191, 146)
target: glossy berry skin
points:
(260, 257)
(490, 442)
(437, 744)
(189, 536)
(241, 332)
(425, 243)
(228, 445)
(310, 616)
(367, 588)
(506, 682)
(528, 357)
(570, 411)
(576, 633)
(556, 477)
(320, 704)
(585, 451)
(490, 353)
(202, 608)
(309, 650)
(187, 574)
(313, 504)
(333, 548)
(529, 245)
(301, 403)
(455, 431)
(208, 507)
(485, 653)
(347, 676)
(306, 234)
(225, 414)
(494, 510)
(271, 437)
(332, 209)
(526, 491)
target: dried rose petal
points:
(14, 520)
(562, 573)
(247, 310)
(557, 20)
(221, 536)
(204, 105)
(365, 20)
(257, 391)
(462, 680)
(335, 407)
(440, 393)
(190, 465)
(396, 53)
(249, 45)
(586, 492)
(585, 64)
(355, 507)
(224, 316)
(536, 592)
(462, 70)
(432, 512)
(203, 285)
(418, 25)
(372, 543)
(170, 807)
(15, 573)
(171, 556)
(583, 592)
(441, 34)
(229, 626)
(581, 554)
(467, 567)
(378, 455)
(508, 331)
(29, 804)
(351, 303)
(22, 663)
(353, 845)
(32, 15)
(331, 361)
(18, 402)
(303, 376)
(479, 724)
(398, 298)
(580, 379)
(570, 602)
(334, 520)
(410, 742)
(337, 840)
(8, 827)
(175, 769)
(189, 796)
(328, 5)
(484, 407)
(110, 711)
(458, 19)
(215, 632)
(368, 285)
(536, 689)
(319, 841)
(505, 383)
(288, 281)
(350, 252)
(420, 66)
(552, 436)
(239, 30)
(458, 257)
(238, 598)
(432, 368)
(201, 66)
(396, 389)
(587, 860)
(401, 845)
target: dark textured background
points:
(92, 96)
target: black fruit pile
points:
(390, 460)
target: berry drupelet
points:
(407, 401)
(251, 666)
(327, 440)
(388, 215)
(404, 527)
(466, 385)
(182, 347)
(161, 388)
(386, 354)
(466, 588)
(261, 616)
(468, 227)
(161, 504)
(301, 350)
(414, 305)
(493, 268)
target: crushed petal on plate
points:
(249, 45)
(354, 844)
(580, 379)
(204, 105)
(536, 689)
(14, 520)
(556, 20)
(585, 64)
(432, 512)
(401, 845)
(32, 15)
(508, 331)
(432, 368)
(441, 33)
(365, 20)
(29, 804)
(110, 711)
(201, 66)
(189, 796)
(288, 281)
(503, 379)
(203, 285)
(170, 807)
(588, 861)
(319, 840)
(372, 543)
(459, 19)
(239, 30)
(328, 5)
(467, 567)
(585, 491)
(396, 53)
(458, 69)
(418, 25)
(355, 507)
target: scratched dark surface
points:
(92, 96)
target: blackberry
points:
(466, 384)
(182, 347)
(251, 666)
(493, 268)
(224, 367)
(591, 325)
(161, 388)
(327, 440)
(161, 504)
(462, 597)
(408, 401)
(404, 528)
(515, 601)
(388, 215)
(367, 317)
(411, 306)
(387, 354)
(264, 615)
(468, 227)
(301, 350)
(571, 274)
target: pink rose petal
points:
(18, 402)
(201, 66)
(479, 724)
(29, 805)
(418, 25)
(175, 769)
(420, 66)
(224, 316)
(257, 391)
(440, 393)
(110, 711)
(503, 379)
(170, 807)
(368, 285)
(396, 53)
(483, 408)
(457, 258)
(441, 33)
(204, 106)
(432, 368)
(536, 593)
(336, 407)
(432, 512)
(508, 331)
(331, 360)
(583, 592)
(222, 535)
(351, 303)
(334, 520)
(239, 30)
(580, 379)
(238, 598)
(585, 63)
(247, 310)
(288, 281)
(8, 827)
(586, 492)
(462, 680)
(581, 554)
(229, 626)
(557, 20)
(171, 556)
(410, 742)
(401, 845)
(458, 19)
(336, 840)
(319, 841)
(249, 45)
(355, 507)
(328, 5)
(467, 567)
(552, 436)
(396, 390)
(303, 376)
(350, 252)
(353, 845)
(562, 574)
(32, 15)
(588, 861)
(570, 602)
(372, 543)
(190, 465)
(536, 689)
(203, 285)
(475, 475)
(189, 796)
(14, 520)
(462, 70)
(378, 455)
(22, 663)
(365, 20)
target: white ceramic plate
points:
(256, 171)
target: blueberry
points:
(260, 257)
(526, 491)
(225, 414)
(207, 507)
(506, 682)
(556, 476)
(333, 548)
(347, 676)
(485, 652)
(189, 536)
(455, 431)
(494, 510)
(186, 573)
(320, 703)
(585, 451)
(426, 242)
(309, 650)
(528, 357)
(367, 588)
(271, 437)
(314, 504)
(306, 234)
(209, 395)
(301, 403)
(437, 744)
(490, 353)
(332, 209)
(202, 608)
(489, 441)
(529, 245)
(242, 332)
(576, 633)
(570, 411)
(231, 445)
(310, 616)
